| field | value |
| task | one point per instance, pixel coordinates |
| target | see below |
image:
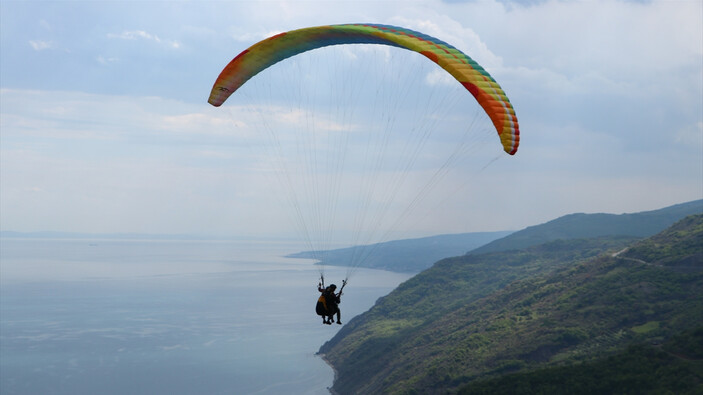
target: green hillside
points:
(679, 247)
(556, 304)
(675, 367)
(580, 226)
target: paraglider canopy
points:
(464, 69)
(353, 176)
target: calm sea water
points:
(167, 317)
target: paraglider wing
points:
(464, 69)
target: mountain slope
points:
(641, 369)
(467, 317)
(578, 226)
(411, 255)
(371, 342)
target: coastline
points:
(324, 358)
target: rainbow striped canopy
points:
(469, 73)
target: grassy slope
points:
(467, 317)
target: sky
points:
(105, 125)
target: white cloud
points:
(143, 35)
(454, 33)
(248, 37)
(107, 60)
(626, 40)
(40, 45)
(201, 123)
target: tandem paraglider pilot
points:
(328, 303)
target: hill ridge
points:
(581, 225)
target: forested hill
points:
(529, 317)
(411, 255)
(579, 226)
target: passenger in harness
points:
(328, 304)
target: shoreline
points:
(324, 358)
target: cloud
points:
(107, 60)
(252, 37)
(608, 95)
(453, 32)
(624, 40)
(40, 45)
(142, 35)
(201, 123)
(127, 158)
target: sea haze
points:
(177, 317)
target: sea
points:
(113, 316)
